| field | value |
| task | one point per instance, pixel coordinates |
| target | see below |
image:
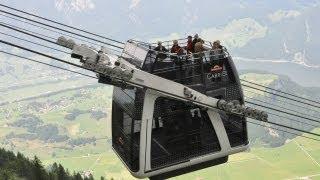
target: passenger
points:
(160, 48)
(219, 45)
(177, 58)
(216, 51)
(198, 50)
(198, 58)
(216, 60)
(195, 40)
(189, 47)
(176, 48)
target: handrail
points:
(225, 52)
(204, 56)
(190, 60)
(207, 43)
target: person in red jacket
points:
(176, 48)
(189, 47)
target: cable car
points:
(159, 137)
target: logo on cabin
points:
(216, 69)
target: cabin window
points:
(179, 132)
(126, 126)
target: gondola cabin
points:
(159, 137)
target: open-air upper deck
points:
(202, 71)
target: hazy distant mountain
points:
(295, 39)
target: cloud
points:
(190, 15)
(134, 4)
(74, 5)
(171, 36)
(135, 19)
(282, 14)
(308, 31)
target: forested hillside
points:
(17, 166)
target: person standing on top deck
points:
(216, 60)
(198, 59)
(177, 51)
(160, 52)
(189, 48)
(194, 42)
(160, 48)
(216, 51)
(176, 48)
(198, 51)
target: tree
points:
(77, 176)
(38, 170)
(23, 166)
(91, 177)
(6, 174)
(61, 173)
(18, 166)
(52, 176)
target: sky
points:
(271, 31)
(148, 19)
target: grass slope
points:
(297, 159)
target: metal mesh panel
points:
(236, 129)
(233, 92)
(126, 125)
(180, 132)
(235, 126)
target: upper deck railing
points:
(168, 44)
(207, 55)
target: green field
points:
(297, 159)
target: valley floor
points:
(83, 112)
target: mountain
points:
(274, 138)
(289, 47)
(296, 38)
